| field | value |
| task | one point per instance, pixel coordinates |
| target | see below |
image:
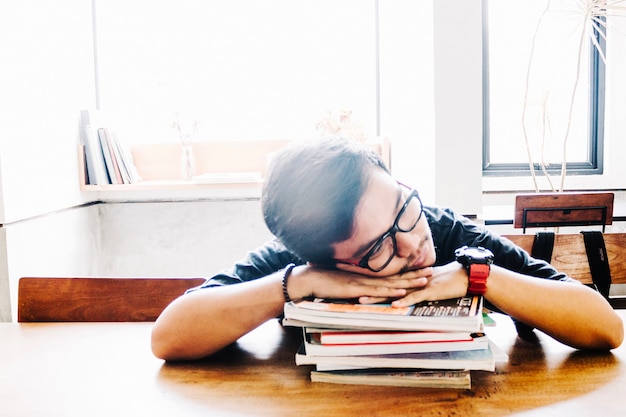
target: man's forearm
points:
(200, 323)
(571, 313)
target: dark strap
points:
(598, 261)
(543, 246)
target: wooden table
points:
(107, 369)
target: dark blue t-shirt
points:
(449, 231)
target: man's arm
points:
(204, 321)
(568, 311)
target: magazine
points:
(480, 359)
(397, 377)
(314, 346)
(346, 337)
(458, 314)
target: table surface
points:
(107, 369)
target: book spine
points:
(114, 156)
(108, 163)
(96, 159)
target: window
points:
(239, 69)
(532, 51)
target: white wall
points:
(458, 67)
(431, 98)
(175, 239)
(407, 91)
(64, 243)
(46, 76)
(5, 290)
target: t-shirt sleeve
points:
(451, 231)
(261, 262)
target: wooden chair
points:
(567, 252)
(97, 299)
(569, 256)
(563, 209)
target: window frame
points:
(594, 165)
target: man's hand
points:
(324, 283)
(448, 281)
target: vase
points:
(187, 162)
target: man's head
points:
(311, 193)
(331, 201)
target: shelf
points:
(155, 163)
(170, 185)
(173, 191)
(231, 170)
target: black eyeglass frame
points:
(395, 228)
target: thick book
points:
(480, 360)
(458, 314)
(314, 347)
(397, 378)
(347, 337)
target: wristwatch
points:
(477, 261)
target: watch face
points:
(475, 253)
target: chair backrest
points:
(569, 255)
(563, 209)
(97, 299)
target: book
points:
(106, 160)
(347, 336)
(458, 314)
(115, 156)
(120, 166)
(397, 378)
(94, 159)
(331, 326)
(109, 157)
(85, 127)
(314, 347)
(480, 359)
(124, 158)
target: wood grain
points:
(97, 299)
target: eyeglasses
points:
(385, 248)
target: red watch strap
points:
(479, 270)
(478, 274)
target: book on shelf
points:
(94, 159)
(480, 359)
(397, 377)
(106, 160)
(313, 346)
(116, 157)
(120, 168)
(458, 314)
(113, 173)
(129, 172)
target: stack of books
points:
(431, 344)
(106, 160)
